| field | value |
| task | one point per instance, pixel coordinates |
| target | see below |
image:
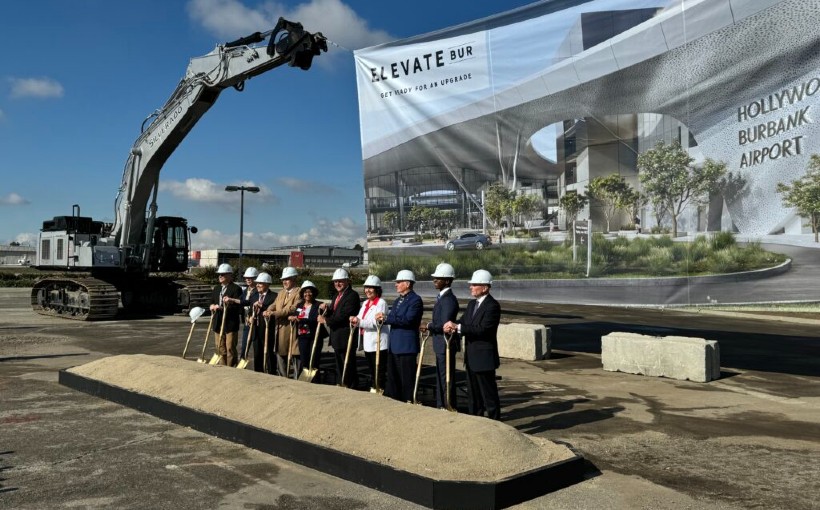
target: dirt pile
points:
(421, 440)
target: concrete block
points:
(529, 342)
(676, 357)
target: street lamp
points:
(242, 190)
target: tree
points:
(612, 192)
(417, 216)
(390, 220)
(572, 203)
(498, 203)
(804, 194)
(526, 206)
(634, 201)
(672, 182)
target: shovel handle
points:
(424, 337)
(207, 335)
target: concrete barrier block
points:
(676, 357)
(528, 342)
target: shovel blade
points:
(308, 375)
(215, 359)
(242, 364)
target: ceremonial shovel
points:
(244, 361)
(309, 373)
(194, 314)
(216, 358)
(201, 358)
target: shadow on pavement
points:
(40, 356)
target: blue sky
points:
(80, 77)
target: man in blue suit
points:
(445, 310)
(479, 327)
(404, 320)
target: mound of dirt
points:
(422, 440)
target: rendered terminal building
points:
(318, 257)
(618, 83)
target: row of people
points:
(299, 322)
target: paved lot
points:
(749, 440)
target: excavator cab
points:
(169, 250)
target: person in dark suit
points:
(262, 298)
(404, 320)
(226, 298)
(479, 327)
(343, 304)
(445, 310)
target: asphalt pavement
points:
(747, 440)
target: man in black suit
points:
(479, 327)
(343, 305)
(445, 310)
(260, 300)
(225, 299)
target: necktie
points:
(338, 298)
(475, 308)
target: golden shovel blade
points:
(307, 375)
(215, 359)
(242, 363)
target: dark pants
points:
(441, 379)
(483, 393)
(351, 376)
(401, 376)
(259, 348)
(305, 342)
(243, 343)
(371, 365)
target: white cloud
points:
(13, 199)
(205, 190)
(231, 19)
(26, 239)
(344, 232)
(35, 87)
(303, 186)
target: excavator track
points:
(192, 293)
(82, 299)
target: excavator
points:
(137, 259)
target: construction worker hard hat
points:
(405, 275)
(264, 278)
(340, 274)
(289, 272)
(444, 270)
(372, 281)
(482, 277)
(224, 269)
(251, 272)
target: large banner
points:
(679, 133)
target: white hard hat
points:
(482, 277)
(195, 313)
(307, 284)
(340, 274)
(224, 269)
(405, 275)
(444, 270)
(264, 278)
(372, 281)
(251, 272)
(289, 272)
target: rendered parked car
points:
(469, 240)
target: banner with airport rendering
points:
(681, 135)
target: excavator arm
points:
(228, 65)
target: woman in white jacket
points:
(366, 322)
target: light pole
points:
(242, 190)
